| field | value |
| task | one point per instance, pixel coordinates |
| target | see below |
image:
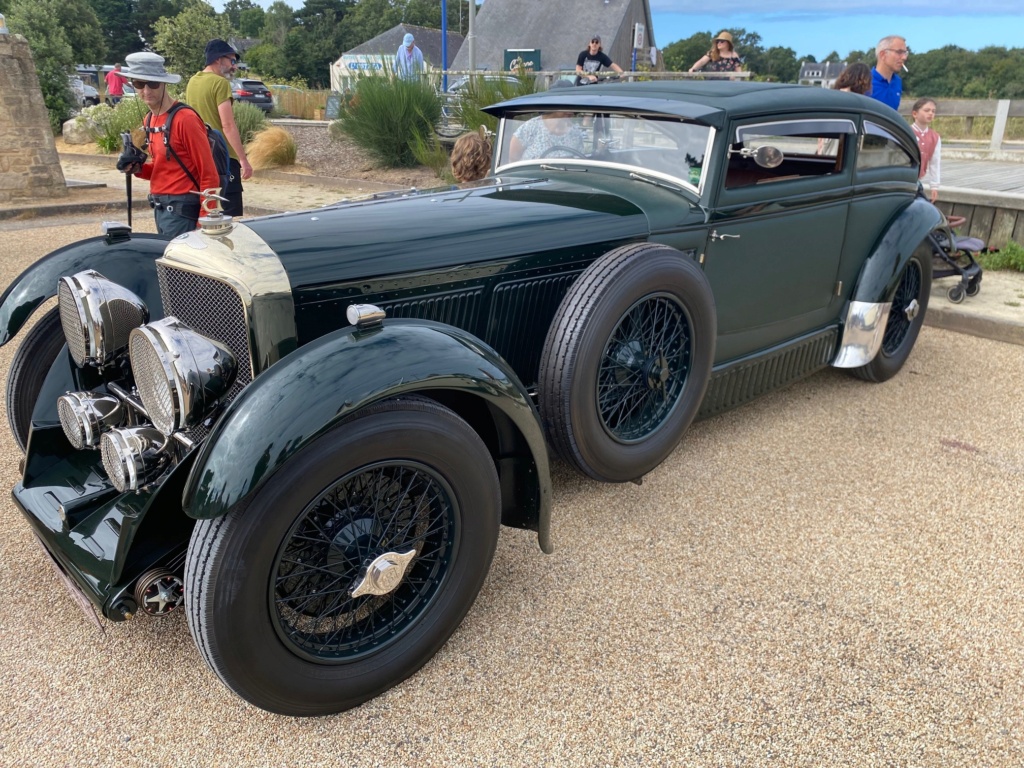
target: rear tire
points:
(269, 585)
(901, 329)
(29, 367)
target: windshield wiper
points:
(546, 167)
(658, 182)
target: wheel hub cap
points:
(658, 373)
(912, 309)
(384, 574)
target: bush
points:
(272, 147)
(249, 119)
(431, 153)
(1009, 257)
(387, 114)
(482, 93)
(111, 123)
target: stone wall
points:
(29, 165)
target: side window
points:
(812, 147)
(880, 149)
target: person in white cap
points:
(409, 59)
(181, 167)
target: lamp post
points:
(471, 37)
(444, 45)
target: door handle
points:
(716, 236)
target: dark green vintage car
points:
(306, 430)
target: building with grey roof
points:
(379, 52)
(560, 30)
(824, 74)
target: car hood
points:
(435, 229)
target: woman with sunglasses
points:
(721, 58)
(176, 168)
(590, 61)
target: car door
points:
(775, 234)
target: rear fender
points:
(867, 312)
(881, 271)
(310, 391)
(128, 261)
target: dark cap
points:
(216, 49)
(595, 39)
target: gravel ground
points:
(827, 577)
(341, 158)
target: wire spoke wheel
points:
(627, 360)
(349, 569)
(391, 507)
(901, 314)
(643, 368)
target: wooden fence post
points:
(999, 129)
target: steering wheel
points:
(561, 148)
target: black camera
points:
(130, 156)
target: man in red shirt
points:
(115, 85)
(177, 173)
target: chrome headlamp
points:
(179, 373)
(85, 416)
(132, 456)
(97, 316)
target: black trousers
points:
(175, 214)
(233, 193)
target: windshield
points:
(662, 146)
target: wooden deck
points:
(984, 176)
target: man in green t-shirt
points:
(209, 94)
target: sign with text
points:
(526, 59)
(638, 35)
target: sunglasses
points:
(138, 85)
(595, 42)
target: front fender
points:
(882, 269)
(308, 392)
(130, 262)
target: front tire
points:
(29, 367)
(906, 316)
(627, 360)
(269, 586)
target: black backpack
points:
(218, 145)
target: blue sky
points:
(837, 26)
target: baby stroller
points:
(954, 255)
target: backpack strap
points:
(166, 131)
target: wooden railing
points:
(545, 78)
(1001, 110)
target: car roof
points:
(705, 102)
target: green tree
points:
(39, 22)
(148, 12)
(182, 39)
(318, 38)
(83, 31)
(250, 22)
(680, 55)
(780, 65)
(369, 18)
(234, 8)
(278, 20)
(117, 24)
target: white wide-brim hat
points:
(145, 65)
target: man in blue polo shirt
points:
(886, 86)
